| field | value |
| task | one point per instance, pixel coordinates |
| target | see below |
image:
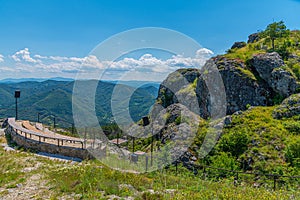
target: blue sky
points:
(72, 28)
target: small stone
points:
(8, 149)
(170, 191)
(228, 120)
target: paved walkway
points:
(49, 136)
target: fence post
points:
(236, 179)
(85, 137)
(274, 179)
(146, 163)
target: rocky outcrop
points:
(253, 38)
(175, 82)
(283, 82)
(288, 108)
(269, 68)
(254, 84)
(238, 45)
(241, 88)
(264, 64)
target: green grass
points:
(93, 180)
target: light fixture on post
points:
(17, 95)
(146, 122)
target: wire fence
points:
(267, 180)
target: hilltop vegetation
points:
(287, 44)
(256, 81)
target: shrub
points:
(292, 153)
(292, 126)
(234, 142)
(224, 161)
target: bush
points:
(223, 161)
(293, 127)
(292, 153)
(234, 142)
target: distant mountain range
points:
(134, 84)
(54, 98)
(19, 80)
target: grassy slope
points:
(92, 180)
(267, 140)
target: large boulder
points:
(176, 82)
(265, 63)
(238, 45)
(241, 86)
(269, 68)
(288, 108)
(283, 82)
(253, 38)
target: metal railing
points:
(42, 137)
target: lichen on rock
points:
(288, 108)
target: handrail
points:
(12, 123)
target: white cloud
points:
(58, 58)
(23, 55)
(7, 69)
(1, 58)
(147, 65)
(40, 57)
(204, 53)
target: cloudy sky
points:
(53, 38)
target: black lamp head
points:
(146, 121)
(17, 94)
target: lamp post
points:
(38, 117)
(17, 95)
(146, 122)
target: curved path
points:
(27, 135)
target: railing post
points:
(236, 179)
(274, 179)
(85, 137)
(146, 163)
(73, 129)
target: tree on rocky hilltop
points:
(274, 31)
